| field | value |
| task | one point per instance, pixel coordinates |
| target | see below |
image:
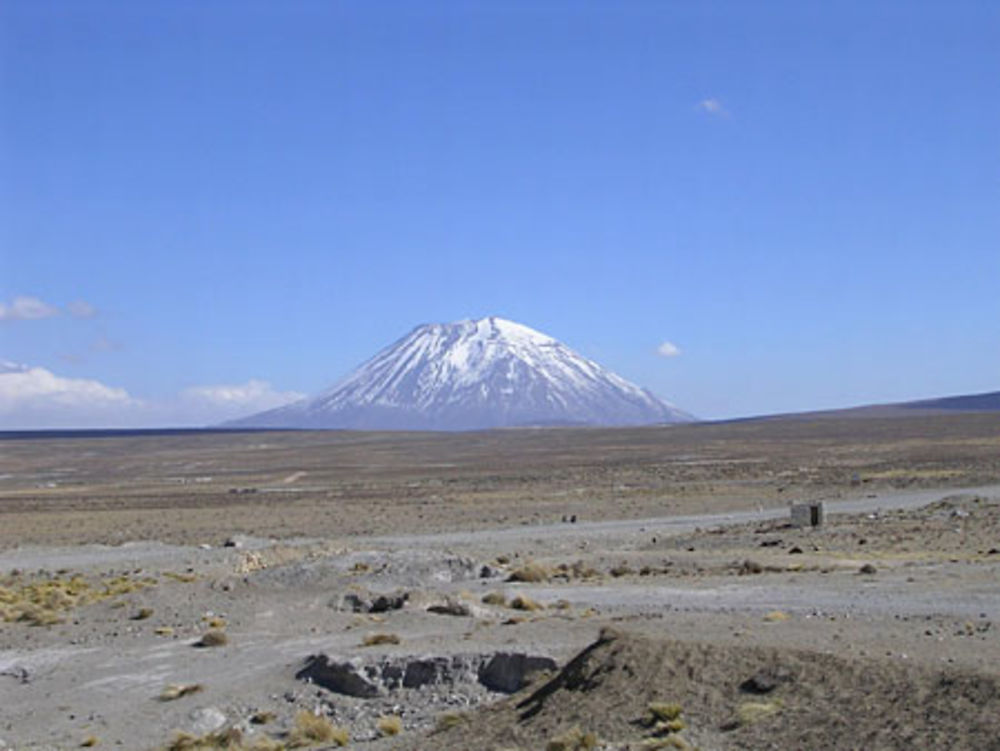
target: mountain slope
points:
(472, 375)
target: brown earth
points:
(289, 484)
(737, 698)
(880, 625)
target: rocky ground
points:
(718, 628)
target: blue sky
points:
(252, 198)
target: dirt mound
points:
(735, 698)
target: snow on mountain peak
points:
(472, 374)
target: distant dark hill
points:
(988, 402)
(965, 403)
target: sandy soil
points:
(129, 565)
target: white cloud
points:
(668, 349)
(237, 399)
(81, 309)
(33, 397)
(714, 107)
(24, 308)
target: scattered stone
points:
(867, 569)
(796, 550)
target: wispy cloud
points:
(668, 349)
(713, 107)
(81, 309)
(28, 308)
(241, 398)
(25, 308)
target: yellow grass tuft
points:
(523, 602)
(449, 720)
(663, 711)
(183, 578)
(776, 616)
(213, 638)
(573, 739)
(495, 598)
(750, 712)
(311, 730)
(177, 690)
(390, 725)
(373, 640)
(230, 739)
(89, 742)
(530, 572)
(663, 744)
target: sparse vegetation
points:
(45, 601)
(230, 739)
(142, 614)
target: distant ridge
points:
(986, 402)
(471, 375)
(961, 404)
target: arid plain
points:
(439, 590)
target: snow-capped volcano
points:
(471, 375)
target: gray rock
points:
(428, 671)
(374, 603)
(450, 606)
(340, 677)
(507, 672)
(206, 719)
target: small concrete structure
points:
(807, 514)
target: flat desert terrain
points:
(524, 589)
